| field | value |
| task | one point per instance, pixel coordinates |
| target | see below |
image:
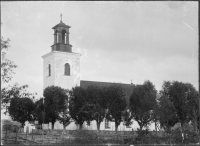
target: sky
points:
(120, 41)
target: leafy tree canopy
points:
(78, 107)
(127, 117)
(115, 95)
(184, 97)
(7, 70)
(21, 109)
(97, 101)
(55, 99)
(142, 103)
(167, 114)
(15, 91)
(39, 111)
(7, 65)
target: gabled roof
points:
(127, 87)
(61, 24)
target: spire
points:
(61, 17)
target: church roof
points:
(127, 87)
(61, 24)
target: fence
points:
(15, 135)
(77, 137)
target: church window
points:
(49, 69)
(67, 69)
(107, 124)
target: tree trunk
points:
(195, 122)
(98, 125)
(156, 127)
(141, 127)
(182, 132)
(52, 126)
(195, 126)
(63, 133)
(116, 127)
(22, 124)
(81, 126)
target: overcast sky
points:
(119, 41)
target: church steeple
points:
(61, 38)
(61, 66)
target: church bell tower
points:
(61, 67)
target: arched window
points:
(49, 69)
(63, 36)
(67, 69)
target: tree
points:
(115, 95)
(16, 91)
(127, 117)
(183, 96)
(96, 98)
(54, 103)
(167, 114)
(193, 104)
(39, 111)
(78, 106)
(87, 112)
(64, 116)
(7, 65)
(155, 116)
(142, 103)
(21, 109)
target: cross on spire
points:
(61, 17)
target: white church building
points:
(61, 67)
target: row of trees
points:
(81, 105)
(177, 102)
(97, 103)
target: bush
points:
(8, 125)
(142, 132)
(191, 137)
(128, 140)
(39, 132)
(141, 137)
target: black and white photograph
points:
(107, 73)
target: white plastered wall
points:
(57, 60)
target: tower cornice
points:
(59, 52)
